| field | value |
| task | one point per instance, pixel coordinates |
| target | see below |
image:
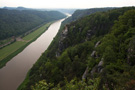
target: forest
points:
(94, 52)
(84, 12)
(17, 22)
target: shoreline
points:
(26, 80)
(21, 48)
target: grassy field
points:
(13, 49)
(4, 52)
(36, 33)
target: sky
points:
(66, 3)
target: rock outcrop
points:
(62, 45)
(131, 52)
(97, 68)
(85, 73)
(89, 34)
(97, 43)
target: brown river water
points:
(13, 74)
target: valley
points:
(93, 49)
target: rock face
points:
(89, 34)
(97, 68)
(100, 66)
(93, 54)
(97, 43)
(62, 45)
(131, 52)
(85, 73)
(64, 33)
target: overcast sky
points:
(66, 3)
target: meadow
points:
(8, 52)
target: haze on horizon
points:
(66, 3)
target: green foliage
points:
(4, 52)
(96, 24)
(11, 50)
(82, 85)
(82, 13)
(5, 41)
(72, 85)
(37, 32)
(70, 64)
(42, 85)
(15, 22)
(116, 51)
(115, 29)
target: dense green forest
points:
(82, 13)
(95, 52)
(17, 22)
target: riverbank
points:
(13, 49)
(15, 71)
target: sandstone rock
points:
(85, 73)
(93, 54)
(97, 43)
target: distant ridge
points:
(70, 11)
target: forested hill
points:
(84, 12)
(17, 22)
(96, 52)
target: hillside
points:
(17, 22)
(69, 11)
(84, 12)
(96, 52)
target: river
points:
(13, 74)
